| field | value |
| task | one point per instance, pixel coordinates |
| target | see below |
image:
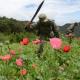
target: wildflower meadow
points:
(60, 60)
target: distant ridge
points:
(63, 29)
(7, 24)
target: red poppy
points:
(69, 35)
(23, 72)
(12, 52)
(66, 48)
(19, 62)
(25, 41)
(37, 41)
(21, 42)
(6, 57)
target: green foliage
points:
(11, 25)
(17, 37)
(53, 65)
(3, 37)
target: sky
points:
(62, 11)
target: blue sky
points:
(62, 11)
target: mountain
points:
(11, 25)
(63, 29)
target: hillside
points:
(11, 25)
(63, 29)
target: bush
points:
(17, 37)
(3, 37)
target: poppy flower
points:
(66, 48)
(69, 35)
(19, 62)
(25, 41)
(6, 57)
(56, 43)
(12, 52)
(37, 41)
(23, 72)
(21, 43)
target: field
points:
(20, 62)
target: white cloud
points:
(55, 9)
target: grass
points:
(53, 65)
